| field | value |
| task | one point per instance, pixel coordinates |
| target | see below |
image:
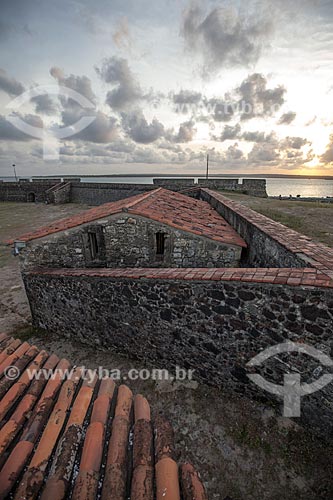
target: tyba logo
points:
(50, 135)
(292, 390)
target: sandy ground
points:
(243, 450)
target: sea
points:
(276, 186)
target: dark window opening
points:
(93, 245)
(160, 243)
(31, 198)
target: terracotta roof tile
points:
(161, 205)
(167, 486)
(142, 487)
(11, 396)
(114, 485)
(14, 465)
(191, 485)
(48, 421)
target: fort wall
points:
(213, 321)
(98, 193)
(253, 187)
(174, 184)
(26, 191)
(270, 244)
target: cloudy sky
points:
(165, 83)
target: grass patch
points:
(244, 437)
(27, 332)
(291, 221)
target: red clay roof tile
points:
(34, 422)
(14, 466)
(191, 485)
(142, 487)
(164, 206)
(167, 486)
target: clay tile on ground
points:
(42, 438)
(191, 485)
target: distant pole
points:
(207, 171)
(14, 171)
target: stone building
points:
(169, 279)
(160, 228)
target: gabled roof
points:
(161, 205)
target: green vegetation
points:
(27, 332)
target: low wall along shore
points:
(69, 190)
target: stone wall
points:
(264, 249)
(26, 191)
(213, 327)
(99, 193)
(224, 184)
(173, 184)
(60, 194)
(252, 187)
(128, 241)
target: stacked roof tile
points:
(77, 437)
(167, 207)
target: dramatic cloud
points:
(9, 85)
(327, 157)
(294, 142)
(263, 153)
(103, 129)
(186, 132)
(128, 92)
(286, 151)
(259, 137)
(287, 118)
(138, 129)
(251, 99)
(10, 133)
(186, 101)
(257, 100)
(81, 84)
(44, 104)
(222, 110)
(225, 36)
(221, 97)
(233, 153)
(230, 132)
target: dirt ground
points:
(244, 450)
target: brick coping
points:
(276, 276)
(316, 255)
